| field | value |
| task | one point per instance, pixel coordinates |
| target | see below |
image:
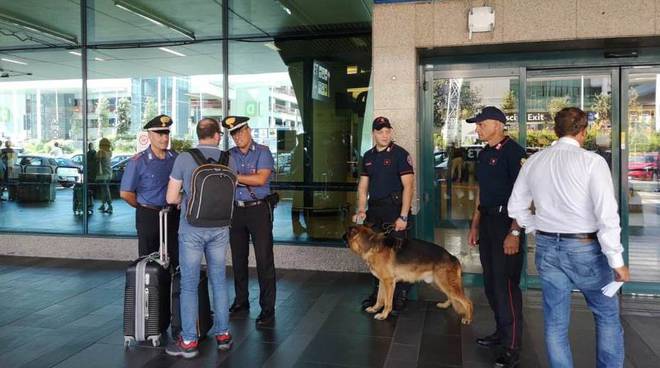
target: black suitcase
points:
(147, 294)
(78, 200)
(204, 316)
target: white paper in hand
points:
(611, 288)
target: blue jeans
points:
(567, 264)
(212, 243)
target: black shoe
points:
(237, 307)
(399, 303)
(508, 359)
(370, 300)
(489, 341)
(265, 319)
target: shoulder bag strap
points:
(197, 156)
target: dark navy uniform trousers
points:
(502, 277)
(253, 222)
(384, 213)
(147, 224)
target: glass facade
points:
(300, 72)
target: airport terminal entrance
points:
(622, 106)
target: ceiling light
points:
(99, 59)
(284, 7)
(75, 53)
(271, 45)
(13, 61)
(171, 51)
(142, 13)
(38, 29)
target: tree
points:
(470, 101)
(555, 105)
(123, 115)
(602, 106)
(509, 102)
(102, 113)
(150, 109)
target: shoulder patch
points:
(137, 155)
(409, 159)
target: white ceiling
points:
(109, 24)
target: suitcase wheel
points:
(128, 341)
(155, 340)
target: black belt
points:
(393, 198)
(493, 210)
(155, 208)
(249, 203)
(560, 236)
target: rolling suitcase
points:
(204, 316)
(78, 200)
(147, 294)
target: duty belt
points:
(493, 210)
(248, 203)
(155, 208)
(392, 198)
(560, 236)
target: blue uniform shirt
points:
(385, 169)
(497, 170)
(258, 157)
(147, 176)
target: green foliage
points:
(540, 138)
(123, 115)
(470, 101)
(509, 102)
(103, 113)
(150, 109)
(124, 144)
(556, 104)
(180, 145)
(602, 106)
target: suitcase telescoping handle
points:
(162, 251)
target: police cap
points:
(488, 113)
(380, 123)
(159, 123)
(232, 123)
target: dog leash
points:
(388, 228)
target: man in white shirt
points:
(577, 237)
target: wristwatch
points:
(515, 232)
(404, 218)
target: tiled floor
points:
(68, 313)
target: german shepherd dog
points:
(411, 260)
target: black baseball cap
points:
(488, 113)
(380, 123)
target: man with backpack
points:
(199, 174)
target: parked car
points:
(117, 174)
(67, 171)
(644, 166)
(78, 159)
(118, 158)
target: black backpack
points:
(211, 201)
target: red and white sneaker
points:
(224, 341)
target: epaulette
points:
(137, 155)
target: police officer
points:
(252, 218)
(498, 235)
(387, 180)
(144, 186)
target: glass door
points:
(547, 92)
(640, 187)
(449, 187)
